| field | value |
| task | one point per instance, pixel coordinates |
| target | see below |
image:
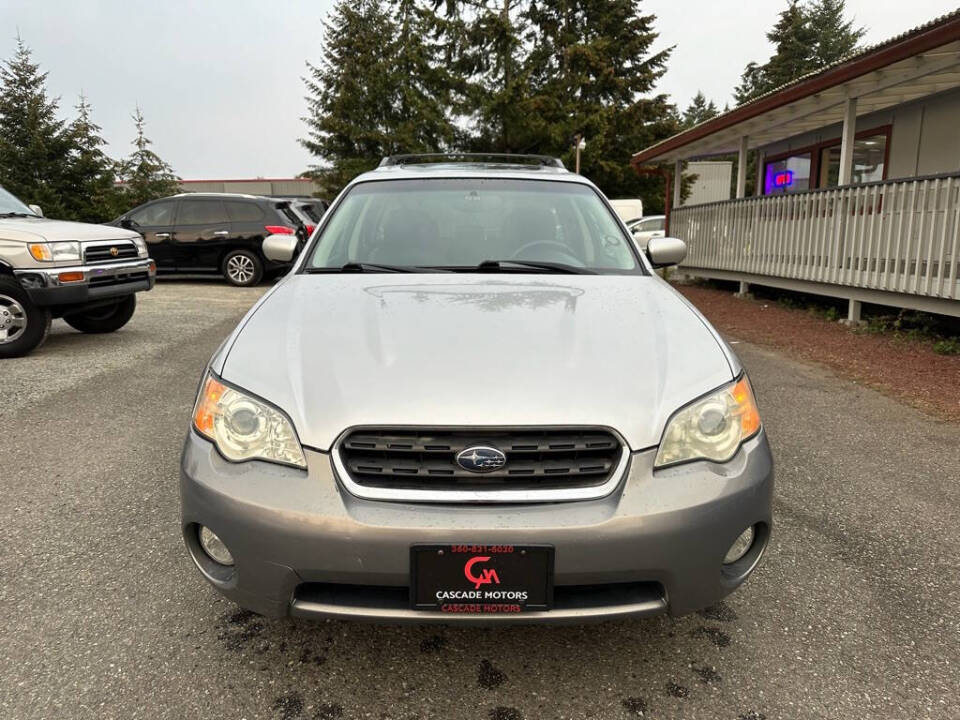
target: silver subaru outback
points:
(473, 401)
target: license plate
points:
(481, 579)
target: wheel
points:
(242, 268)
(104, 319)
(23, 325)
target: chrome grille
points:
(419, 463)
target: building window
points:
(787, 175)
(869, 154)
(818, 166)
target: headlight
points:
(55, 252)
(244, 428)
(711, 428)
(141, 246)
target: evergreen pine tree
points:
(807, 38)
(33, 141)
(351, 112)
(834, 37)
(699, 110)
(145, 175)
(793, 39)
(94, 195)
(488, 43)
(422, 80)
(592, 71)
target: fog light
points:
(214, 547)
(739, 547)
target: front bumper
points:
(46, 286)
(304, 546)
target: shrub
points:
(947, 346)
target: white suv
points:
(86, 274)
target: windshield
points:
(10, 204)
(460, 223)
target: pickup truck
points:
(86, 274)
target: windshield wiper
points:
(494, 265)
(375, 267)
(16, 214)
(362, 267)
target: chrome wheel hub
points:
(240, 269)
(13, 319)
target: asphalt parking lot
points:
(853, 614)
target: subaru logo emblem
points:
(481, 459)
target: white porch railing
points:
(899, 236)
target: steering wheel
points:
(563, 250)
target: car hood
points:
(37, 229)
(338, 351)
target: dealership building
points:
(857, 179)
(271, 187)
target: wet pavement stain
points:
(720, 612)
(328, 711)
(309, 655)
(715, 635)
(489, 677)
(240, 617)
(289, 706)
(239, 629)
(501, 712)
(434, 643)
(706, 674)
(677, 691)
(635, 705)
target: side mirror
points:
(36, 209)
(666, 251)
(128, 224)
(280, 248)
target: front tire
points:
(242, 268)
(23, 325)
(105, 319)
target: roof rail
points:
(498, 158)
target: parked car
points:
(439, 416)
(87, 274)
(644, 229)
(629, 209)
(309, 212)
(213, 233)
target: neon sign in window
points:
(783, 179)
(790, 174)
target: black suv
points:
(213, 232)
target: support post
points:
(761, 156)
(742, 168)
(744, 290)
(677, 181)
(853, 312)
(846, 141)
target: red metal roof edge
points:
(925, 37)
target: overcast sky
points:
(219, 81)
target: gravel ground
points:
(905, 368)
(851, 615)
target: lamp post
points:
(579, 143)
